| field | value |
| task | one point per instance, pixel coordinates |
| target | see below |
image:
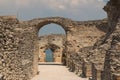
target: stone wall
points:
(104, 55)
(86, 35)
(55, 42)
(16, 51)
(101, 61)
(111, 65)
(9, 48)
(10, 59)
(19, 49)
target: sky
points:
(79, 10)
(51, 29)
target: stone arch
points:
(65, 23)
(40, 25)
(56, 50)
(50, 29)
(49, 57)
(72, 29)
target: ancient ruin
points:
(91, 48)
(56, 42)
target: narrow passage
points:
(56, 72)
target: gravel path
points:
(56, 72)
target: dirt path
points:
(56, 72)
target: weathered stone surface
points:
(56, 42)
(19, 43)
(111, 64)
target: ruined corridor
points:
(90, 49)
(56, 72)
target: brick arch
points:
(53, 48)
(48, 24)
(65, 23)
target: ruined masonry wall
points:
(47, 41)
(19, 43)
(16, 52)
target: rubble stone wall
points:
(14, 64)
(111, 65)
(55, 42)
(19, 43)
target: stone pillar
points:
(35, 60)
(83, 75)
(89, 70)
(96, 72)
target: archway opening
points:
(51, 29)
(49, 55)
(52, 38)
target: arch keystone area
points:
(65, 23)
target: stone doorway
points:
(49, 55)
(52, 40)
